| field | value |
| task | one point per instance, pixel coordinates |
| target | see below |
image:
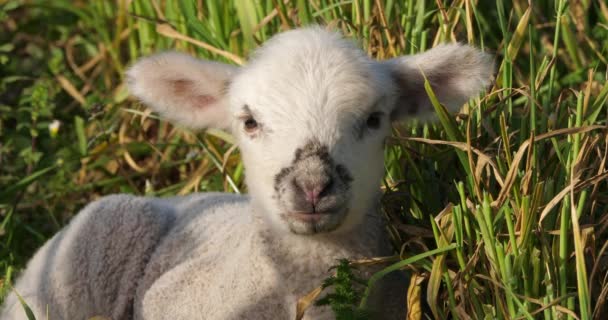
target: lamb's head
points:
(310, 113)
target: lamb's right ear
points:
(185, 90)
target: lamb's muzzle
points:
(313, 191)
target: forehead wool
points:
(306, 73)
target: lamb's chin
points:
(313, 223)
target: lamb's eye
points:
(250, 125)
(374, 120)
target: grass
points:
(511, 193)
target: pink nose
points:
(312, 195)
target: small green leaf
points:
(80, 134)
(28, 312)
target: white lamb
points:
(310, 113)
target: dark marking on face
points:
(296, 186)
(313, 167)
(312, 149)
(313, 171)
(279, 177)
(246, 109)
(344, 174)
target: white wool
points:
(221, 256)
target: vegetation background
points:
(500, 211)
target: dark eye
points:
(373, 121)
(250, 125)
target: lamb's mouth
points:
(309, 216)
(307, 223)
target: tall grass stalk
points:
(500, 209)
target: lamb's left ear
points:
(456, 72)
(188, 91)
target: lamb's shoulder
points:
(205, 222)
(208, 236)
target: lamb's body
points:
(182, 268)
(310, 114)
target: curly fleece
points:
(127, 257)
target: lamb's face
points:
(310, 113)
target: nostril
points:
(326, 188)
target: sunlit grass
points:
(511, 193)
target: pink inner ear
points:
(203, 100)
(181, 86)
(185, 88)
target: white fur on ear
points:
(456, 72)
(185, 90)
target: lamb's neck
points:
(322, 250)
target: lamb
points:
(310, 112)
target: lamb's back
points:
(92, 267)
